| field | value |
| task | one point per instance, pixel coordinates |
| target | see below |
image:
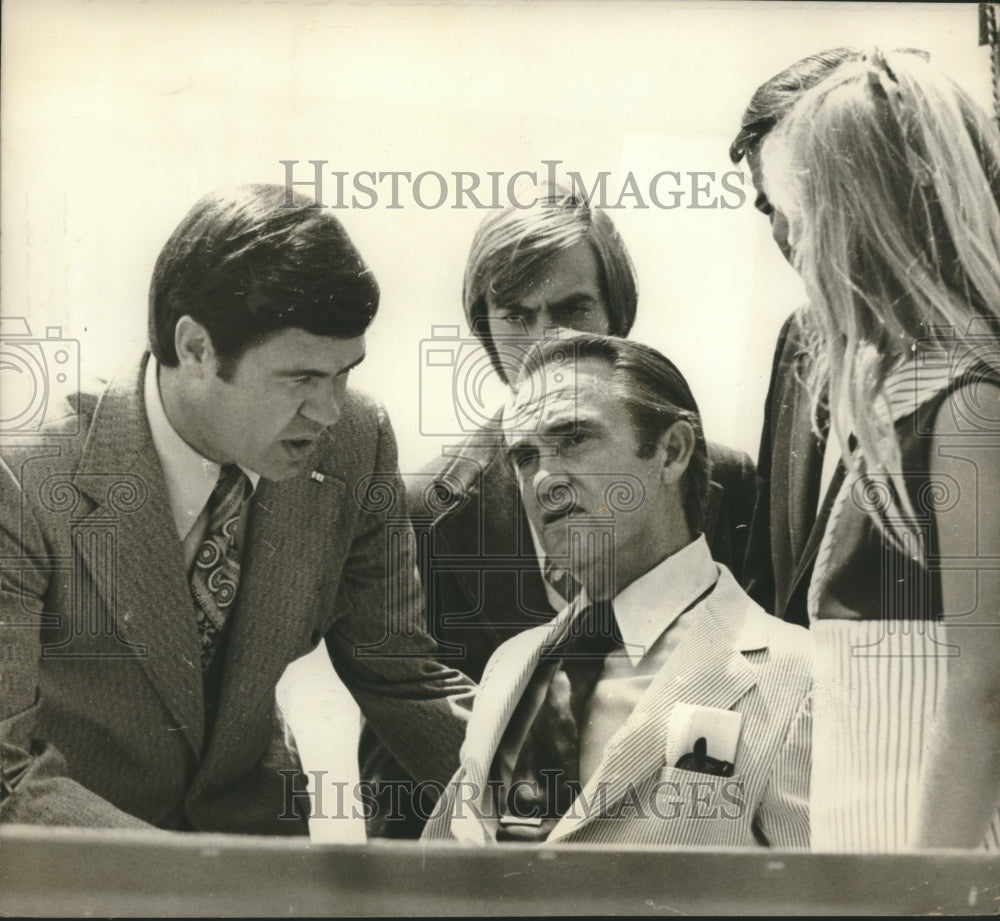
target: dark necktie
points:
(546, 775)
(215, 575)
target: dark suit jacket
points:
(480, 570)
(102, 712)
(786, 531)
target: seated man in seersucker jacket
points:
(558, 265)
(661, 706)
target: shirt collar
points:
(914, 382)
(646, 608)
(190, 478)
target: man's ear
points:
(194, 346)
(676, 447)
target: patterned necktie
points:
(215, 575)
(552, 743)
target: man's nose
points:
(323, 404)
(544, 324)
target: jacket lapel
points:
(503, 685)
(288, 542)
(142, 579)
(707, 669)
(807, 515)
(805, 453)
(811, 548)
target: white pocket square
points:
(688, 723)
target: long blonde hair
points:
(889, 175)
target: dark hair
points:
(254, 260)
(655, 396)
(774, 99)
(511, 247)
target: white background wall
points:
(117, 116)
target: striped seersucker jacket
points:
(736, 657)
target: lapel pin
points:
(317, 476)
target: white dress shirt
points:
(649, 616)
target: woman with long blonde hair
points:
(889, 176)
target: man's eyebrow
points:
(514, 304)
(357, 361)
(567, 426)
(560, 427)
(519, 445)
(301, 372)
(571, 299)
(567, 300)
(317, 372)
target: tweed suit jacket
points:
(788, 521)
(736, 657)
(102, 716)
(479, 567)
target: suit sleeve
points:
(34, 784)
(379, 644)
(783, 815)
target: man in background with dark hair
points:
(560, 264)
(171, 547)
(794, 470)
(661, 707)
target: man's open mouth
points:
(300, 444)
